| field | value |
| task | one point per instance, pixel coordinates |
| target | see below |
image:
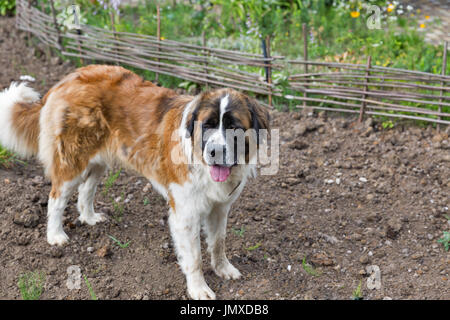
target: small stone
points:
(90, 249)
(374, 280)
(364, 259)
(416, 256)
(362, 179)
(322, 259)
(27, 218)
(103, 251)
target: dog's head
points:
(224, 126)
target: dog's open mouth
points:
(219, 173)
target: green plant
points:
(146, 201)
(7, 7)
(238, 232)
(256, 246)
(387, 124)
(91, 291)
(119, 207)
(111, 180)
(445, 240)
(357, 295)
(31, 285)
(309, 269)
(120, 244)
(6, 157)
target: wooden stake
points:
(444, 67)
(113, 27)
(158, 34)
(52, 6)
(269, 70)
(305, 55)
(206, 55)
(366, 88)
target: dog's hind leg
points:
(86, 194)
(59, 196)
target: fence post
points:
(206, 55)
(52, 6)
(113, 27)
(305, 57)
(366, 88)
(444, 67)
(158, 35)
(269, 70)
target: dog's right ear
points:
(192, 118)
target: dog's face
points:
(226, 124)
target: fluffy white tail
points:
(19, 119)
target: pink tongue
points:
(219, 173)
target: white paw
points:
(57, 238)
(201, 292)
(227, 271)
(92, 219)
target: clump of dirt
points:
(346, 197)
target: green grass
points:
(91, 291)
(239, 232)
(309, 269)
(256, 246)
(445, 240)
(119, 207)
(112, 178)
(6, 158)
(119, 243)
(31, 285)
(357, 295)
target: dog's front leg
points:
(215, 225)
(185, 229)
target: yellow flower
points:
(390, 7)
(422, 26)
(162, 38)
(419, 11)
(412, 14)
(287, 34)
(427, 17)
(354, 14)
(297, 24)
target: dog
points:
(102, 115)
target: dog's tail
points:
(20, 108)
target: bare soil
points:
(346, 197)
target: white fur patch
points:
(8, 98)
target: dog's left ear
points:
(260, 117)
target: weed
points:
(445, 240)
(91, 291)
(31, 285)
(387, 124)
(357, 293)
(111, 180)
(309, 269)
(146, 201)
(119, 207)
(238, 232)
(120, 244)
(256, 246)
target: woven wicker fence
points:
(353, 88)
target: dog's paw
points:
(92, 219)
(227, 271)
(201, 292)
(57, 238)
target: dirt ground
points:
(346, 197)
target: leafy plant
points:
(239, 232)
(119, 207)
(7, 7)
(445, 240)
(31, 285)
(387, 124)
(357, 295)
(309, 269)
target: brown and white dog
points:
(100, 115)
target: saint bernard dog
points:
(101, 115)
